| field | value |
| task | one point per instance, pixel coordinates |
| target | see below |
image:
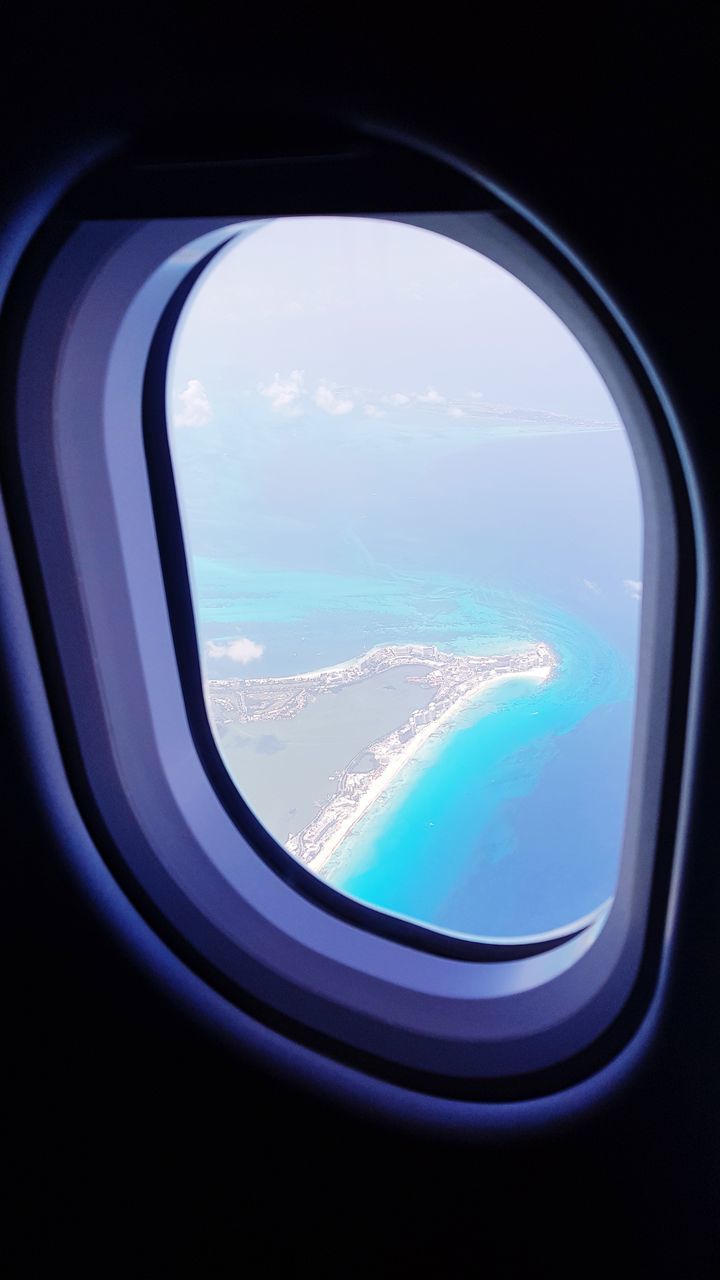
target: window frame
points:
(527, 1048)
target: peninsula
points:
(451, 681)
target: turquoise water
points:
(317, 541)
(476, 839)
(473, 836)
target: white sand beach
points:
(401, 758)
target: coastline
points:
(349, 664)
(399, 761)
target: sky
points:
(367, 316)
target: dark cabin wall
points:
(136, 1138)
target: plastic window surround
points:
(456, 1026)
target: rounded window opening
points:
(413, 529)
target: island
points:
(452, 682)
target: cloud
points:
(372, 411)
(195, 409)
(431, 396)
(284, 393)
(241, 650)
(591, 586)
(455, 412)
(328, 399)
(633, 588)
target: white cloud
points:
(431, 396)
(372, 411)
(633, 588)
(328, 399)
(241, 650)
(591, 586)
(195, 409)
(477, 395)
(455, 412)
(284, 393)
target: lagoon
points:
(285, 767)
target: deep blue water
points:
(317, 547)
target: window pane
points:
(414, 533)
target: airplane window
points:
(414, 536)
(355, 552)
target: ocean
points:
(317, 540)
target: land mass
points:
(455, 680)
